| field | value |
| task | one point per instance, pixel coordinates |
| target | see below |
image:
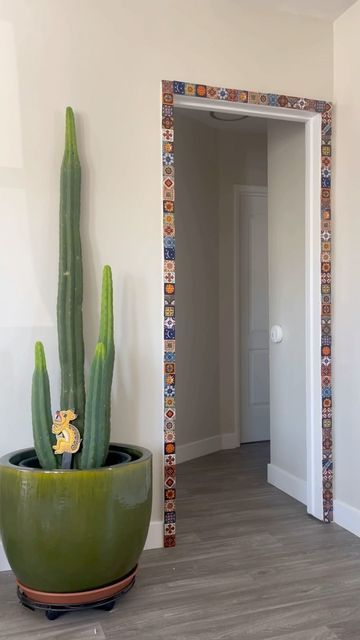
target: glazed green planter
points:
(72, 530)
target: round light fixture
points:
(226, 117)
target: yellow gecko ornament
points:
(67, 436)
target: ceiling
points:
(324, 9)
(248, 125)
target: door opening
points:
(313, 115)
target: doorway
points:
(316, 116)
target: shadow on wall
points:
(125, 400)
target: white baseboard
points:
(199, 448)
(155, 539)
(192, 450)
(347, 517)
(230, 441)
(285, 481)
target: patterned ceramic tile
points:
(201, 90)
(169, 215)
(168, 172)
(168, 98)
(212, 92)
(243, 96)
(169, 505)
(170, 345)
(283, 101)
(263, 98)
(168, 206)
(272, 99)
(168, 110)
(168, 122)
(169, 89)
(168, 134)
(179, 87)
(320, 106)
(169, 540)
(190, 89)
(170, 460)
(233, 95)
(169, 448)
(170, 517)
(301, 103)
(222, 93)
(169, 311)
(253, 97)
(168, 147)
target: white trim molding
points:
(230, 441)
(314, 498)
(155, 537)
(285, 481)
(347, 517)
(199, 448)
(312, 122)
(253, 110)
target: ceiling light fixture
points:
(226, 117)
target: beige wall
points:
(197, 281)
(107, 59)
(346, 234)
(243, 161)
(286, 219)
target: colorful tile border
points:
(169, 89)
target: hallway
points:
(249, 564)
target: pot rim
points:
(145, 454)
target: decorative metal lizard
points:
(67, 436)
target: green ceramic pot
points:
(72, 530)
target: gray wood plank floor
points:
(249, 564)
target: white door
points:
(251, 209)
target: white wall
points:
(286, 219)
(242, 160)
(107, 60)
(197, 286)
(346, 303)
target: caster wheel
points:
(51, 614)
(108, 606)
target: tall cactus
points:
(41, 411)
(97, 413)
(70, 284)
(106, 336)
(93, 415)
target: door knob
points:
(276, 333)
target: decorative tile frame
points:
(169, 89)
